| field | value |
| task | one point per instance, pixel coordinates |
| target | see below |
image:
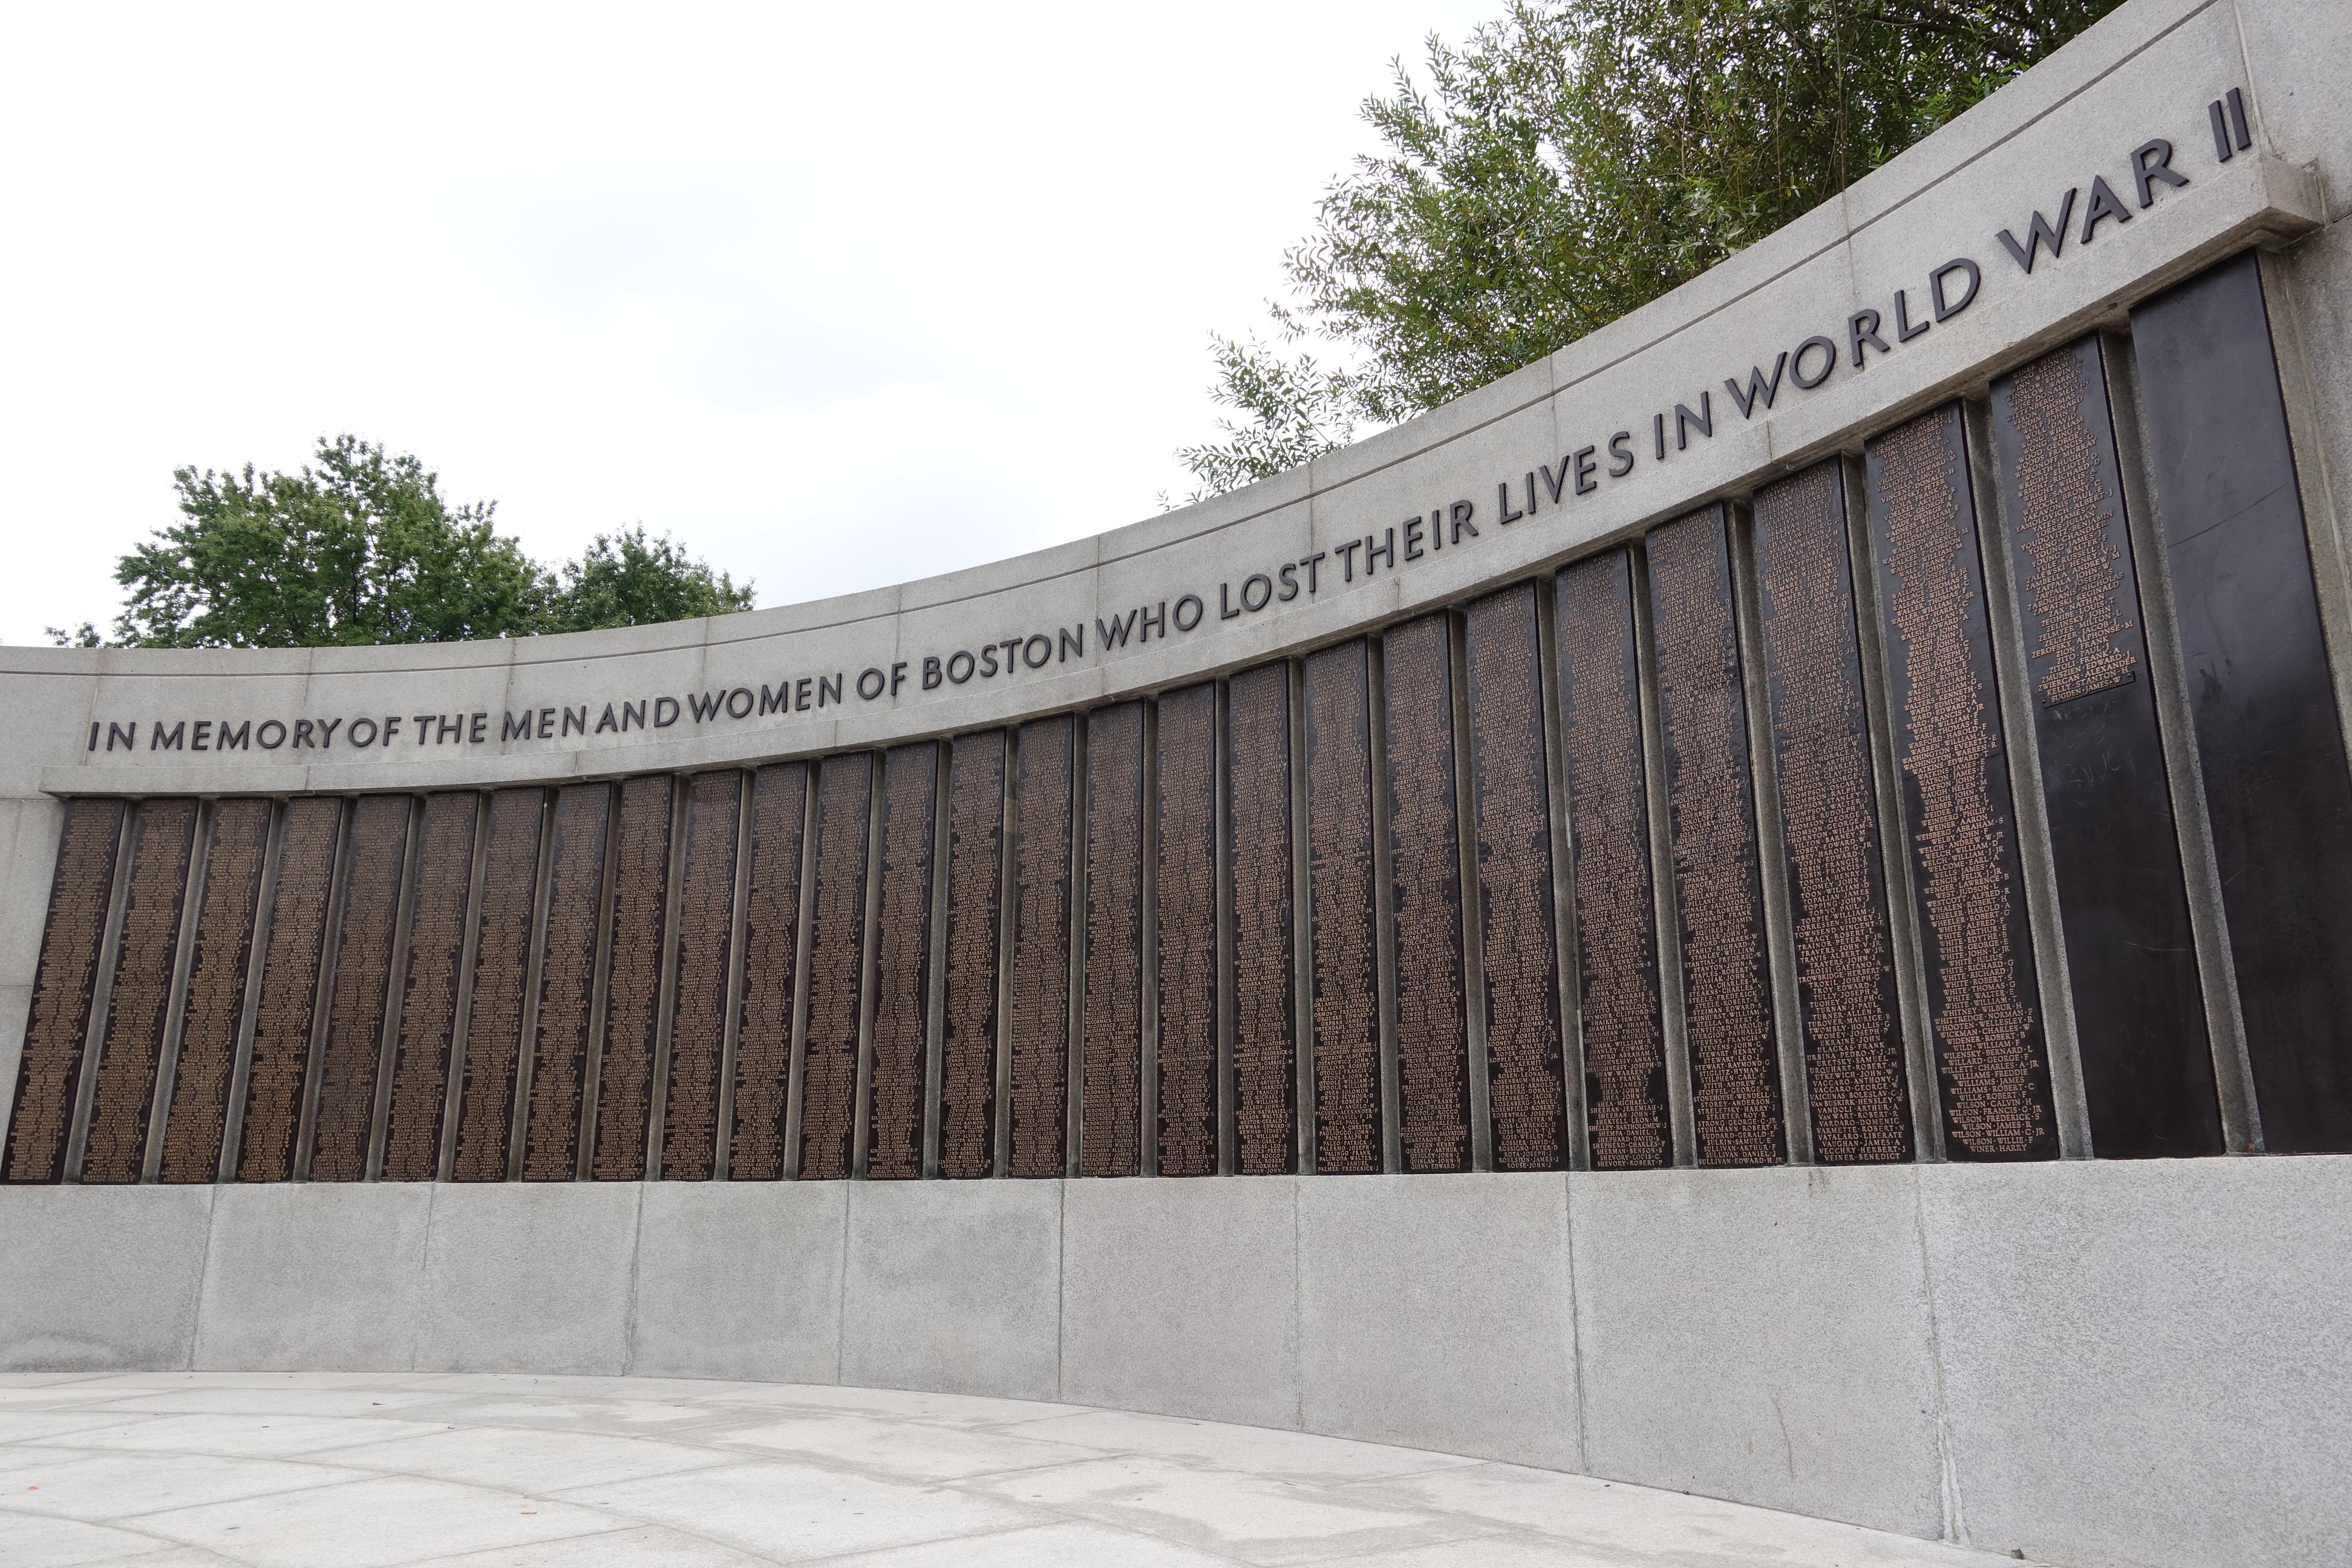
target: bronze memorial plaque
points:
(1727, 972)
(1425, 850)
(486, 1085)
(290, 988)
(1259, 833)
(975, 896)
(215, 1009)
(577, 855)
(706, 939)
(1828, 823)
(845, 787)
(771, 934)
(1982, 1000)
(1609, 826)
(1345, 944)
(625, 1073)
(1526, 1091)
(1037, 1035)
(361, 987)
(49, 1071)
(428, 1007)
(902, 964)
(1187, 1134)
(163, 842)
(1111, 1087)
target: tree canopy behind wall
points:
(1575, 160)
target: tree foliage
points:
(625, 579)
(1575, 160)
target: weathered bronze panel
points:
(1188, 932)
(1828, 823)
(214, 1011)
(289, 987)
(428, 1007)
(1341, 931)
(1526, 1093)
(1608, 813)
(2269, 739)
(902, 962)
(1112, 1085)
(1424, 848)
(625, 1073)
(164, 840)
(1038, 1031)
(845, 786)
(362, 987)
(58, 1027)
(706, 940)
(975, 896)
(771, 934)
(486, 1085)
(559, 1038)
(1982, 1000)
(2131, 956)
(1727, 972)
(1258, 812)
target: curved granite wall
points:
(1872, 707)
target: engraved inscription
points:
(902, 962)
(567, 980)
(1726, 985)
(58, 1024)
(428, 1007)
(706, 935)
(837, 962)
(1112, 1085)
(624, 1073)
(1828, 823)
(1616, 930)
(975, 890)
(1524, 1086)
(772, 927)
(1265, 1064)
(362, 988)
(290, 984)
(2082, 630)
(215, 1008)
(1345, 976)
(1038, 1032)
(1188, 934)
(1432, 1033)
(163, 841)
(486, 1085)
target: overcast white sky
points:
(837, 294)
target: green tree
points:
(627, 580)
(1574, 160)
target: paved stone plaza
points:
(175, 1469)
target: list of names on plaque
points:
(2080, 615)
(501, 973)
(771, 934)
(1981, 996)
(163, 839)
(1726, 981)
(1344, 942)
(1432, 1034)
(902, 962)
(1828, 823)
(215, 1008)
(1038, 1031)
(290, 984)
(624, 1075)
(1188, 932)
(428, 1007)
(58, 1024)
(581, 823)
(837, 962)
(1265, 1063)
(1112, 1084)
(706, 936)
(975, 894)
(1616, 929)
(361, 989)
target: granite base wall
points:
(2111, 1363)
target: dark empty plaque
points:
(58, 1026)
(2139, 1010)
(1608, 823)
(706, 937)
(1526, 1095)
(1257, 806)
(902, 964)
(362, 987)
(625, 1073)
(1188, 932)
(1828, 823)
(2268, 735)
(772, 928)
(486, 1087)
(1425, 852)
(975, 895)
(428, 1005)
(1726, 974)
(836, 963)
(1345, 943)
(215, 1010)
(163, 841)
(1037, 1035)
(1111, 1119)
(1982, 997)
(290, 988)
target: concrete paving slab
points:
(372, 1523)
